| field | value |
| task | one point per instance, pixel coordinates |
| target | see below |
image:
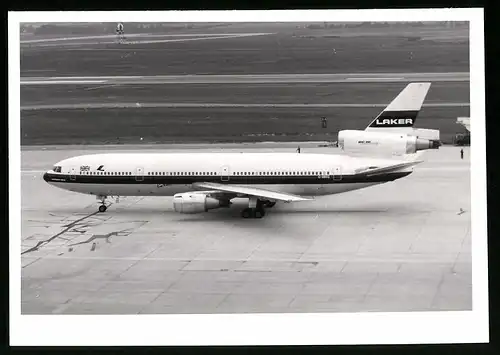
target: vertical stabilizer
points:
(403, 110)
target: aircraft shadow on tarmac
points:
(234, 212)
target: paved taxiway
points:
(248, 78)
(397, 247)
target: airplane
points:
(203, 181)
(464, 121)
(392, 132)
(200, 182)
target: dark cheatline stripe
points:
(395, 119)
(249, 180)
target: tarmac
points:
(249, 79)
(401, 246)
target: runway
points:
(212, 105)
(174, 113)
(250, 79)
(402, 246)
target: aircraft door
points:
(72, 175)
(337, 173)
(224, 173)
(139, 174)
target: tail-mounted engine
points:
(352, 141)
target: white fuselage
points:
(166, 174)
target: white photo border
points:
(252, 329)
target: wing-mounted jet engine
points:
(197, 202)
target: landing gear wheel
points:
(259, 213)
(102, 208)
(253, 213)
(246, 213)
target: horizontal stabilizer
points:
(404, 109)
(387, 169)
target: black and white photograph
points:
(279, 166)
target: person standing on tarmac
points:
(461, 153)
(120, 32)
(298, 149)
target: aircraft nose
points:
(46, 177)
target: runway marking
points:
(101, 87)
(126, 42)
(146, 35)
(366, 79)
(67, 228)
(315, 261)
(136, 105)
(252, 78)
(46, 82)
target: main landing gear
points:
(253, 212)
(256, 209)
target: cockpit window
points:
(57, 169)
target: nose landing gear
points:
(102, 207)
(102, 198)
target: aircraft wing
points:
(387, 169)
(244, 191)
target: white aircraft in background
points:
(392, 132)
(203, 181)
(464, 121)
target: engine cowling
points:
(195, 203)
(353, 141)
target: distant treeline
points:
(380, 24)
(103, 28)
